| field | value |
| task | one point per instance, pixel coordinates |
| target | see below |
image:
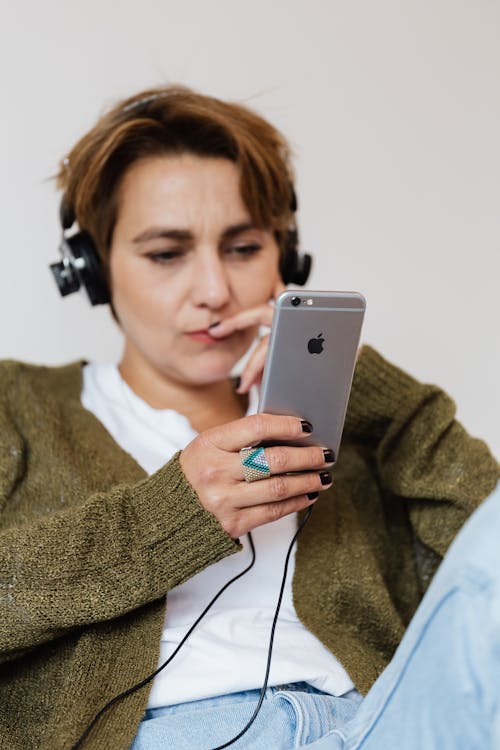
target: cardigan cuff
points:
(169, 514)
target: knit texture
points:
(89, 545)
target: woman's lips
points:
(203, 337)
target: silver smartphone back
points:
(310, 361)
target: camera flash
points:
(309, 301)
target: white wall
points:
(393, 109)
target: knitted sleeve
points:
(99, 559)
(422, 454)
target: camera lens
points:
(295, 301)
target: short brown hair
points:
(175, 120)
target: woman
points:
(120, 484)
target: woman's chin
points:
(210, 370)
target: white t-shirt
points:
(227, 652)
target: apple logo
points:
(315, 346)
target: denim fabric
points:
(441, 691)
(290, 716)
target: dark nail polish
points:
(313, 495)
(329, 456)
(236, 382)
(306, 426)
(212, 325)
(325, 477)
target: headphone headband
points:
(66, 214)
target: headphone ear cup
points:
(295, 267)
(88, 266)
(302, 269)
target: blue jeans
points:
(441, 690)
(290, 716)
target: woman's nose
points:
(210, 284)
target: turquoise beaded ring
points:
(254, 464)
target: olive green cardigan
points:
(89, 545)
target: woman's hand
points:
(212, 465)
(254, 316)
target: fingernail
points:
(212, 325)
(326, 477)
(236, 382)
(329, 456)
(306, 426)
(313, 495)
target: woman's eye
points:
(164, 256)
(245, 250)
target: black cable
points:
(150, 677)
(271, 637)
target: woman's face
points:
(185, 254)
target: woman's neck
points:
(204, 406)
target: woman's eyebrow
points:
(235, 229)
(185, 234)
(163, 232)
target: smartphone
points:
(310, 361)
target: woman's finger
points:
(251, 430)
(283, 459)
(254, 316)
(249, 518)
(281, 487)
(252, 373)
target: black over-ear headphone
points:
(82, 266)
